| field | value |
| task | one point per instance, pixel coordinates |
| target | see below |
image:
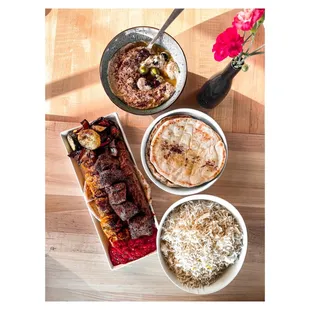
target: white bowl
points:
(182, 190)
(230, 273)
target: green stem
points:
(247, 39)
(253, 37)
(257, 53)
(249, 55)
(250, 44)
(258, 48)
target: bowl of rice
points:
(202, 243)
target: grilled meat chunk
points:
(110, 176)
(103, 207)
(111, 222)
(125, 210)
(141, 225)
(98, 193)
(105, 161)
(116, 193)
(132, 181)
(138, 196)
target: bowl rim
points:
(141, 111)
(215, 287)
(182, 190)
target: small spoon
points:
(175, 13)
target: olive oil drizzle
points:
(158, 49)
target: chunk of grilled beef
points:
(111, 222)
(103, 206)
(116, 193)
(99, 193)
(133, 184)
(137, 194)
(111, 176)
(105, 161)
(140, 225)
(125, 160)
(125, 210)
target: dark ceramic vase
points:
(217, 87)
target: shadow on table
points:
(47, 11)
(236, 113)
(56, 273)
(187, 98)
(72, 82)
(205, 33)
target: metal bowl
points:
(146, 34)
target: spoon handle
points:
(175, 13)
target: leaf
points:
(257, 53)
(261, 20)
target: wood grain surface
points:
(76, 267)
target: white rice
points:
(199, 240)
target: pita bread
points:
(187, 152)
(157, 175)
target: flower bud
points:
(245, 68)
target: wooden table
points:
(76, 267)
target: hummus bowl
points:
(132, 36)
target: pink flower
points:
(257, 14)
(228, 43)
(246, 19)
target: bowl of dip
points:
(140, 81)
